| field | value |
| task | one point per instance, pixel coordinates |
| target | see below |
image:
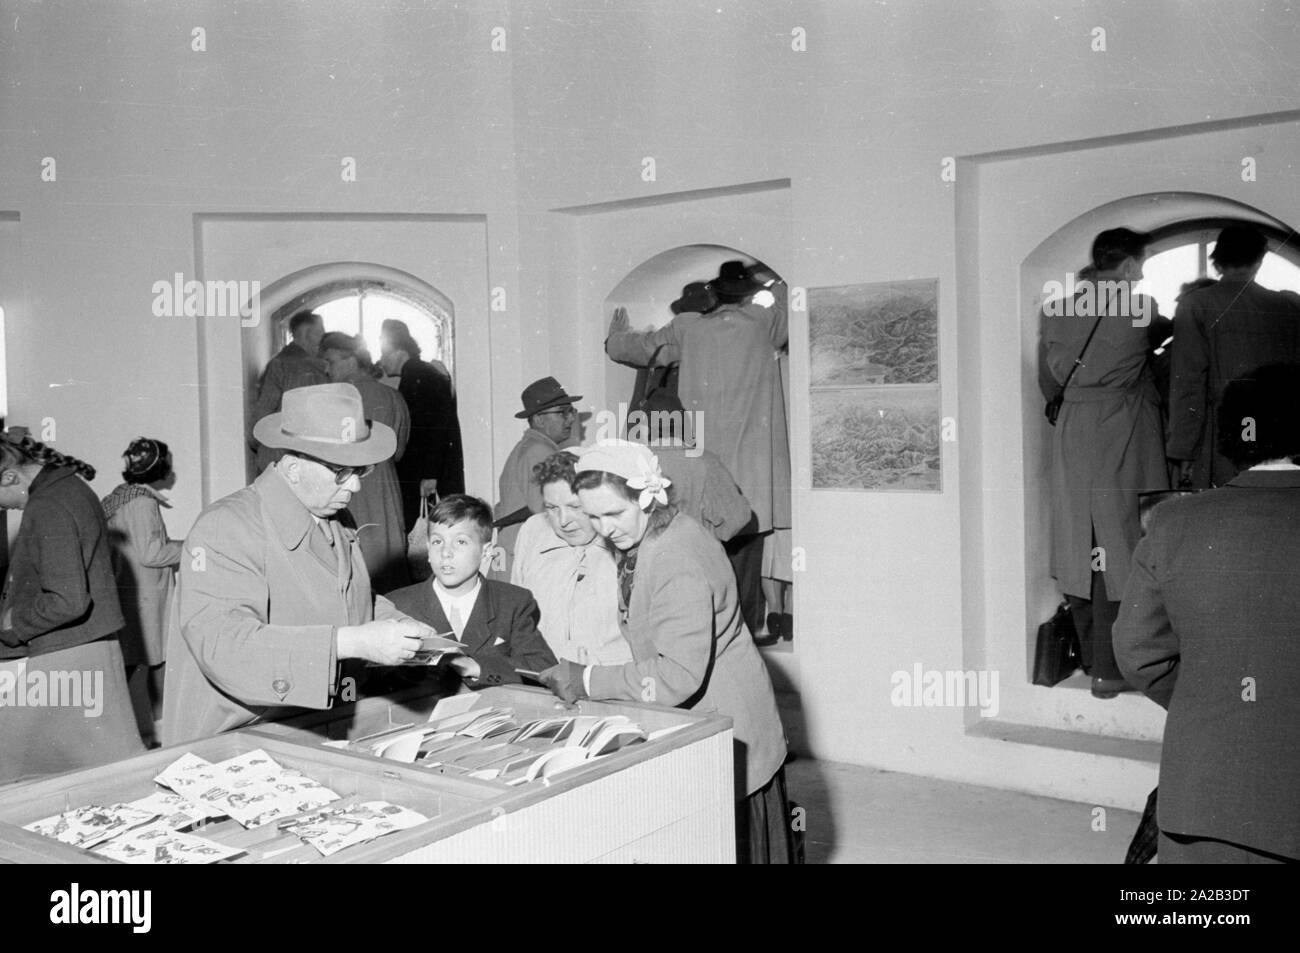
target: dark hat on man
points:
(734, 279)
(543, 395)
(697, 297)
(328, 422)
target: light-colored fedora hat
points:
(327, 421)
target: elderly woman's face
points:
(616, 517)
(564, 512)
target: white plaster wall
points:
(147, 133)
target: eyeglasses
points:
(343, 474)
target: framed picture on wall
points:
(874, 386)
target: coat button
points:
(280, 686)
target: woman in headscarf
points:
(144, 563)
(690, 647)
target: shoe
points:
(1109, 687)
(776, 626)
(764, 641)
(787, 626)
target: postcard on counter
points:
(90, 825)
(454, 705)
(157, 844)
(175, 810)
(332, 830)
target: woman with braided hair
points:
(63, 693)
(144, 562)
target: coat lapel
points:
(478, 633)
(432, 611)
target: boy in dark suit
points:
(495, 621)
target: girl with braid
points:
(144, 562)
(62, 678)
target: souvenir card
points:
(454, 705)
(613, 737)
(433, 648)
(158, 844)
(174, 810)
(332, 830)
(259, 801)
(91, 825)
(252, 788)
(186, 773)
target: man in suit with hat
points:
(730, 381)
(552, 426)
(273, 590)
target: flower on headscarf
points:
(650, 480)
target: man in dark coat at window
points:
(1222, 332)
(434, 457)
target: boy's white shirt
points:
(463, 603)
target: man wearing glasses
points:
(274, 592)
(552, 426)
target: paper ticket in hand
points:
(433, 648)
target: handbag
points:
(1053, 407)
(657, 389)
(417, 544)
(1056, 654)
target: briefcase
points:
(1056, 654)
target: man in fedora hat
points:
(273, 589)
(552, 426)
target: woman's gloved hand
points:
(565, 681)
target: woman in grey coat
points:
(144, 563)
(690, 647)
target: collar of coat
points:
(536, 436)
(288, 517)
(1267, 479)
(126, 492)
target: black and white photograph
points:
(836, 432)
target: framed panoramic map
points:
(875, 386)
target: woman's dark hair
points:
(1111, 247)
(147, 460)
(557, 468)
(1257, 416)
(660, 514)
(399, 337)
(17, 448)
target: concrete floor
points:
(860, 815)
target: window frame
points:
(344, 287)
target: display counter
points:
(666, 799)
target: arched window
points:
(1180, 253)
(362, 307)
